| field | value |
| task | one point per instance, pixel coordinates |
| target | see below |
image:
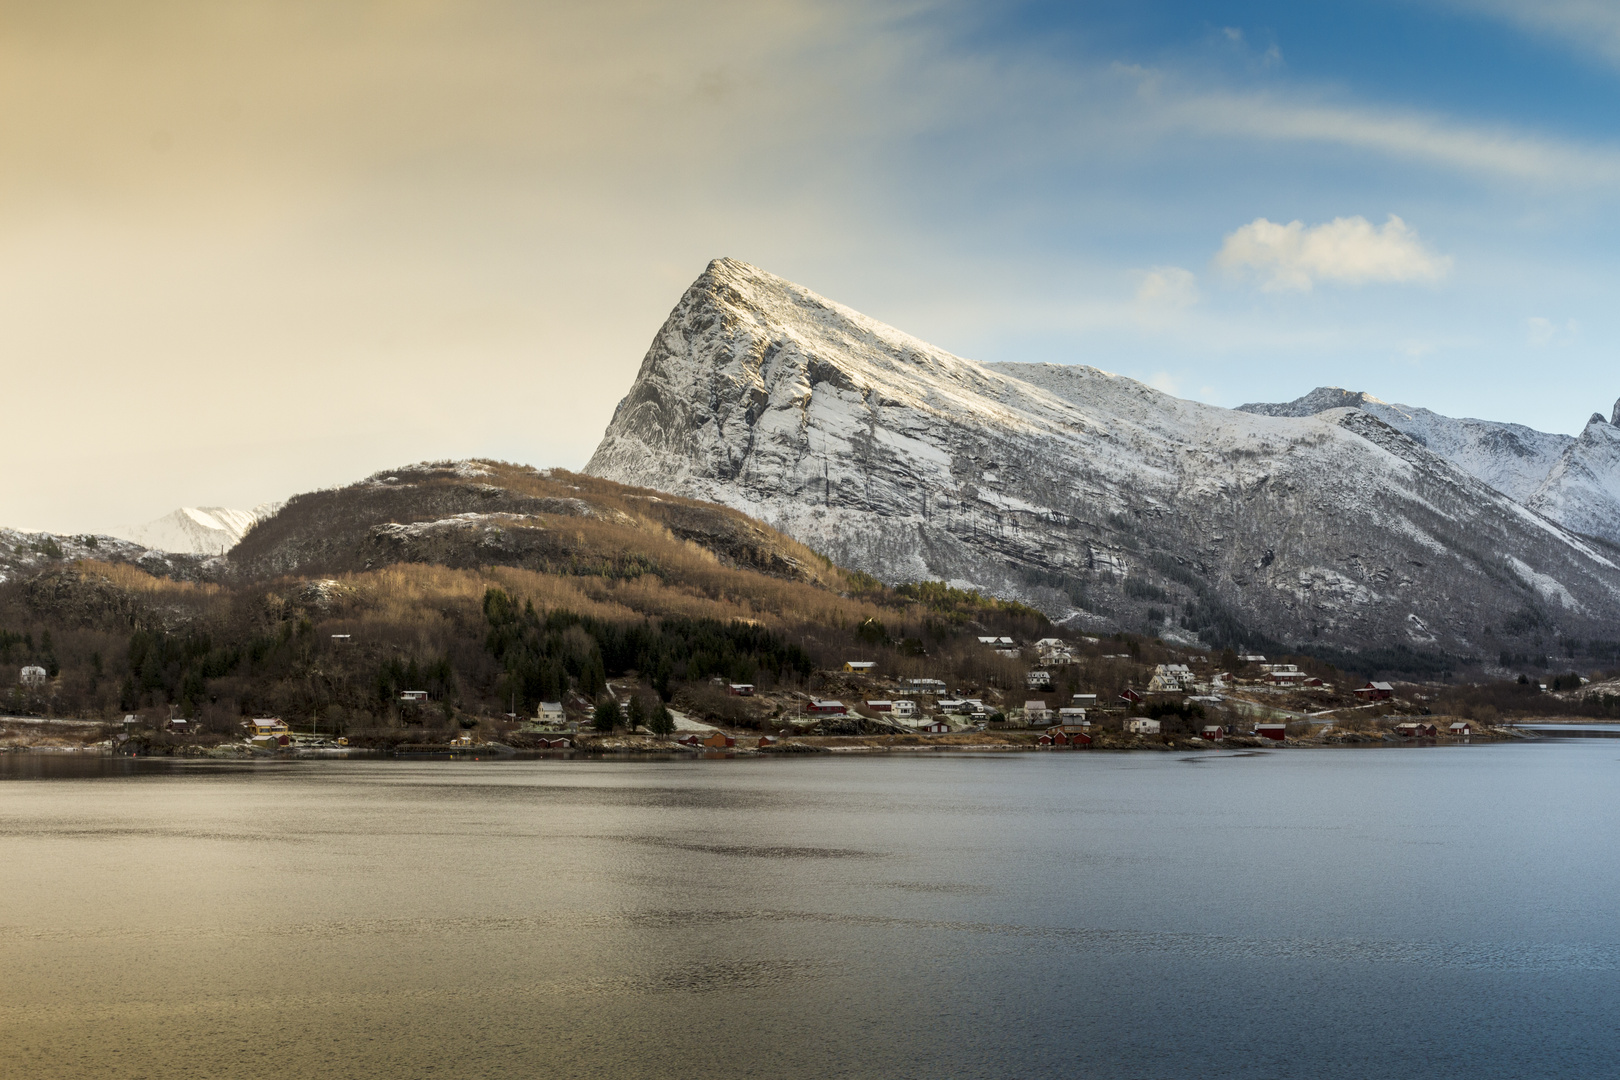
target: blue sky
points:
(1491, 137)
(264, 247)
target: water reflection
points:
(1096, 915)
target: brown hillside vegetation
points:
(326, 611)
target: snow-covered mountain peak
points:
(199, 530)
(1087, 493)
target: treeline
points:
(544, 655)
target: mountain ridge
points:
(1097, 498)
(1534, 468)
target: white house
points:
(1036, 712)
(32, 676)
(1170, 678)
(413, 695)
(1038, 678)
(1142, 726)
(903, 709)
(550, 713)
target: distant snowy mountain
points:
(207, 530)
(1089, 494)
(1583, 489)
(1573, 481)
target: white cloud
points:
(1168, 287)
(1541, 333)
(1350, 250)
(1589, 25)
(1167, 382)
(1409, 135)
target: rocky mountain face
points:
(1573, 481)
(1092, 496)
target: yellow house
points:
(269, 725)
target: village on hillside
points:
(1056, 692)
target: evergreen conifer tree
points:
(661, 723)
(607, 715)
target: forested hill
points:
(490, 586)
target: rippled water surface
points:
(1403, 913)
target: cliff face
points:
(1090, 495)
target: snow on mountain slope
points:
(1090, 494)
(207, 530)
(1582, 491)
(1512, 458)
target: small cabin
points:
(1375, 691)
(880, 706)
(1275, 732)
(1143, 726)
(1036, 712)
(935, 727)
(860, 667)
(413, 695)
(179, 725)
(766, 740)
(1212, 732)
(32, 675)
(826, 708)
(557, 744)
(740, 689)
(690, 740)
(719, 740)
(1461, 727)
(1131, 696)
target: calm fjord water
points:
(1388, 913)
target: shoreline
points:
(69, 737)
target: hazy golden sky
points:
(252, 248)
